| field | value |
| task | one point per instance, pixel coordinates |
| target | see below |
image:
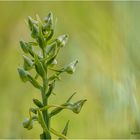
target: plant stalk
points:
(45, 103)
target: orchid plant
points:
(40, 58)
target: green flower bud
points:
(23, 74)
(31, 22)
(37, 103)
(35, 31)
(65, 130)
(52, 49)
(39, 68)
(48, 22)
(25, 46)
(76, 107)
(28, 63)
(53, 63)
(41, 42)
(28, 123)
(33, 110)
(51, 87)
(71, 67)
(62, 40)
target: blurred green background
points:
(105, 37)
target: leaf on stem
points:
(65, 130)
(58, 134)
(69, 99)
(51, 49)
(34, 82)
(42, 123)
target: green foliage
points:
(41, 62)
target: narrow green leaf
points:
(51, 49)
(34, 82)
(69, 99)
(58, 134)
(42, 123)
(65, 130)
(55, 111)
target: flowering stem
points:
(42, 32)
(45, 101)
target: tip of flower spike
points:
(49, 17)
(38, 18)
(31, 22)
(76, 61)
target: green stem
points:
(45, 103)
(45, 112)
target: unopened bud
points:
(49, 22)
(28, 63)
(31, 22)
(71, 67)
(23, 74)
(35, 31)
(62, 40)
(28, 123)
(39, 68)
(53, 63)
(25, 46)
(78, 105)
(51, 50)
(37, 103)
